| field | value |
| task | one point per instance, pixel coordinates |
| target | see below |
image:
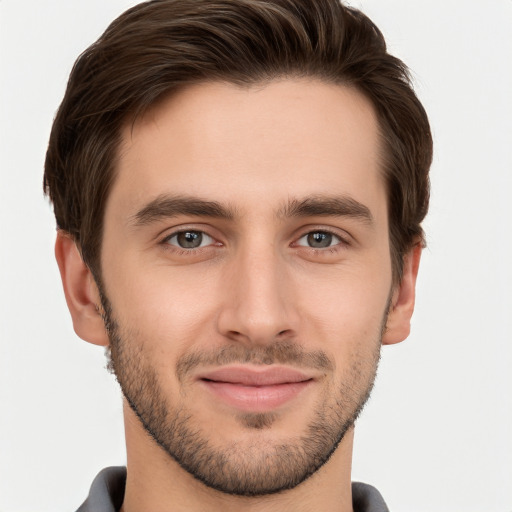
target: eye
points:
(319, 240)
(189, 239)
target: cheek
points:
(347, 306)
(349, 327)
(164, 307)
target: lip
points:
(254, 389)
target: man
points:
(239, 187)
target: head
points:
(160, 47)
(264, 168)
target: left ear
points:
(398, 325)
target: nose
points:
(259, 305)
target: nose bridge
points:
(258, 308)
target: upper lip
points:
(251, 376)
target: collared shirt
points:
(107, 493)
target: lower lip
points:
(256, 398)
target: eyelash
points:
(182, 251)
(342, 243)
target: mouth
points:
(254, 389)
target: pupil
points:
(190, 239)
(319, 239)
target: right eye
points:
(189, 239)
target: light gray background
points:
(437, 433)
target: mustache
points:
(282, 352)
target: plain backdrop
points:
(437, 433)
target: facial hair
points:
(255, 468)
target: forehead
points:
(264, 143)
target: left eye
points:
(189, 239)
(319, 240)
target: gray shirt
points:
(107, 492)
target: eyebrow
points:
(327, 206)
(165, 206)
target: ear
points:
(81, 291)
(398, 325)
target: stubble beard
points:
(239, 468)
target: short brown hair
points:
(159, 46)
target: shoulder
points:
(365, 498)
(107, 491)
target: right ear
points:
(81, 291)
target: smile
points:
(253, 390)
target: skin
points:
(254, 280)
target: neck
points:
(156, 482)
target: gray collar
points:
(107, 493)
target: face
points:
(247, 276)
